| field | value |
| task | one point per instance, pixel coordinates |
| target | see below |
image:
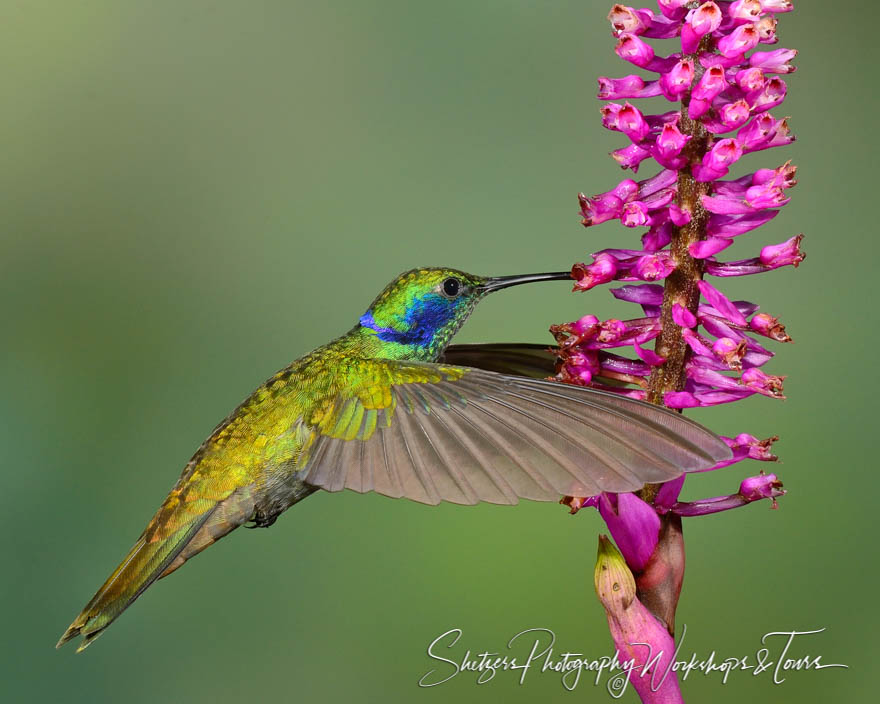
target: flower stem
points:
(681, 285)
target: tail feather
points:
(175, 534)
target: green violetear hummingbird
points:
(388, 407)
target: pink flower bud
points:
(678, 215)
(766, 28)
(599, 209)
(652, 267)
(682, 316)
(751, 80)
(708, 247)
(632, 123)
(743, 11)
(673, 9)
(627, 19)
(584, 325)
(611, 330)
(757, 132)
(776, 6)
(770, 96)
(776, 61)
(739, 41)
(635, 214)
(764, 486)
(601, 271)
(718, 160)
(762, 383)
(730, 351)
(700, 22)
(668, 145)
(783, 254)
(630, 157)
(636, 51)
(708, 87)
(768, 326)
(674, 83)
(627, 87)
(609, 114)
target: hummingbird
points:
(391, 407)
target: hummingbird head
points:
(418, 313)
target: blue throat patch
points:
(423, 319)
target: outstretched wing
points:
(435, 432)
(517, 358)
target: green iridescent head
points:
(418, 313)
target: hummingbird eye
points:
(451, 287)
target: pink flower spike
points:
(708, 247)
(718, 160)
(631, 48)
(783, 254)
(750, 80)
(742, 39)
(674, 83)
(776, 61)
(632, 123)
(627, 87)
(700, 22)
(744, 11)
(683, 317)
(762, 383)
(721, 303)
(601, 271)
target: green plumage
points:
(374, 411)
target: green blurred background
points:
(194, 193)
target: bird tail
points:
(179, 530)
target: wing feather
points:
(466, 435)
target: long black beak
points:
(498, 282)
